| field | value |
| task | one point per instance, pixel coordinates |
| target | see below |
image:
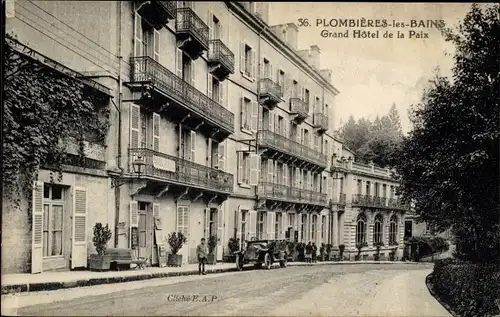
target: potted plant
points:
(328, 250)
(322, 253)
(100, 261)
(233, 246)
(378, 245)
(212, 244)
(360, 246)
(341, 252)
(175, 240)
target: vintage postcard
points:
(240, 158)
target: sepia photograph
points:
(241, 158)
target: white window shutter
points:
(156, 132)
(37, 229)
(156, 213)
(270, 171)
(262, 69)
(210, 24)
(244, 113)
(270, 75)
(192, 145)
(297, 178)
(271, 220)
(178, 62)
(220, 231)
(207, 223)
(156, 46)
(284, 227)
(309, 180)
(242, 57)
(285, 174)
(138, 45)
(135, 125)
(271, 121)
(79, 240)
(254, 169)
(237, 223)
(240, 167)
(261, 118)
(209, 153)
(222, 93)
(318, 230)
(254, 63)
(221, 154)
(193, 73)
(210, 86)
(330, 187)
(286, 124)
(255, 114)
(134, 214)
(252, 224)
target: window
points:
(144, 130)
(244, 217)
(360, 186)
(281, 81)
(295, 89)
(325, 111)
(53, 212)
(384, 190)
(284, 35)
(281, 126)
(246, 114)
(291, 220)
(142, 224)
(378, 229)
(377, 188)
(323, 227)
(248, 61)
(368, 192)
(212, 230)
(303, 228)
(314, 227)
(183, 219)
(277, 226)
(267, 69)
(216, 87)
(244, 168)
(393, 230)
(187, 69)
(361, 229)
(260, 225)
(318, 105)
(217, 29)
(306, 96)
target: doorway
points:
(145, 230)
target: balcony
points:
(287, 194)
(299, 108)
(339, 199)
(186, 101)
(320, 122)
(291, 149)
(220, 59)
(192, 32)
(369, 201)
(157, 13)
(162, 168)
(270, 93)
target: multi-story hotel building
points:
(231, 122)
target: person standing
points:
(201, 252)
(308, 252)
(314, 253)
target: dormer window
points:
(284, 35)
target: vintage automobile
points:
(262, 252)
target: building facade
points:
(220, 125)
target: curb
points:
(50, 286)
(431, 290)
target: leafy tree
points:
(41, 107)
(449, 162)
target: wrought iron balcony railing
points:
(266, 138)
(339, 199)
(282, 192)
(394, 203)
(299, 106)
(169, 7)
(320, 121)
(269, 88)
(220, 53)
(378, 202)
(145, 69)
(189, 22)
(169, 168)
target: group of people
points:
(311, 253)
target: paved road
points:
(341, 290)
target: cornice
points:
(260, 26)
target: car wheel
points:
(267, 261)
(239, 263)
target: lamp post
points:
(137, 167)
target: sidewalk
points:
(25, 282)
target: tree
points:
(449, 163)
(41, 107)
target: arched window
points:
(361, 229)
(378, 231)
(393, 230)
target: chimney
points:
(292, 35)
(262, 11)
(315, 61)
(326, 74)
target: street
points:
(340, 290)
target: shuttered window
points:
(53, 213)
